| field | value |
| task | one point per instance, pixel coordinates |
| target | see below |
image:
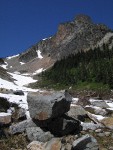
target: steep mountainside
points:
(80, 53)
(78, 35)
(71, 37)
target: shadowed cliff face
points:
(1, 61)
(4, 75)
(71, 37)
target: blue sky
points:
(25, 22)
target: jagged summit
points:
(81, 18)
(77, 35)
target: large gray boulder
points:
(44, 106)
(86, 142)
(37, 134)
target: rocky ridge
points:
(71, 37)
(78, 35)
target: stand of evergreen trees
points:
(95, 65)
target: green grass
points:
(49, 84)
(92, 86)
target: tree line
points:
(94, 65)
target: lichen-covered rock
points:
(37, 134)
(21, 126)
(48, 105)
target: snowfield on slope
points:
(38, 71)
(21, 80)
(19, 84)
(21, 100)
(39, 54)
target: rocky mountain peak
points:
(65, 29)
(73, 36)
(81, 18)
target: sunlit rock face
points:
(72, 37)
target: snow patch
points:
(10, 57)
(7, 84)
(110, 104)
(11, 110)
(98, 117)
(38, 71)
(74, 100)
(39, 54)
(105, 39)
(16, 72)
(95, 100)
(26, 74)
(2, 114)
(110, 108)
(4, 65)
(95, 107)
(22, 80)
(22, 63)
(18, 84)
(10, 85)
(21, 101)
(46, 38)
